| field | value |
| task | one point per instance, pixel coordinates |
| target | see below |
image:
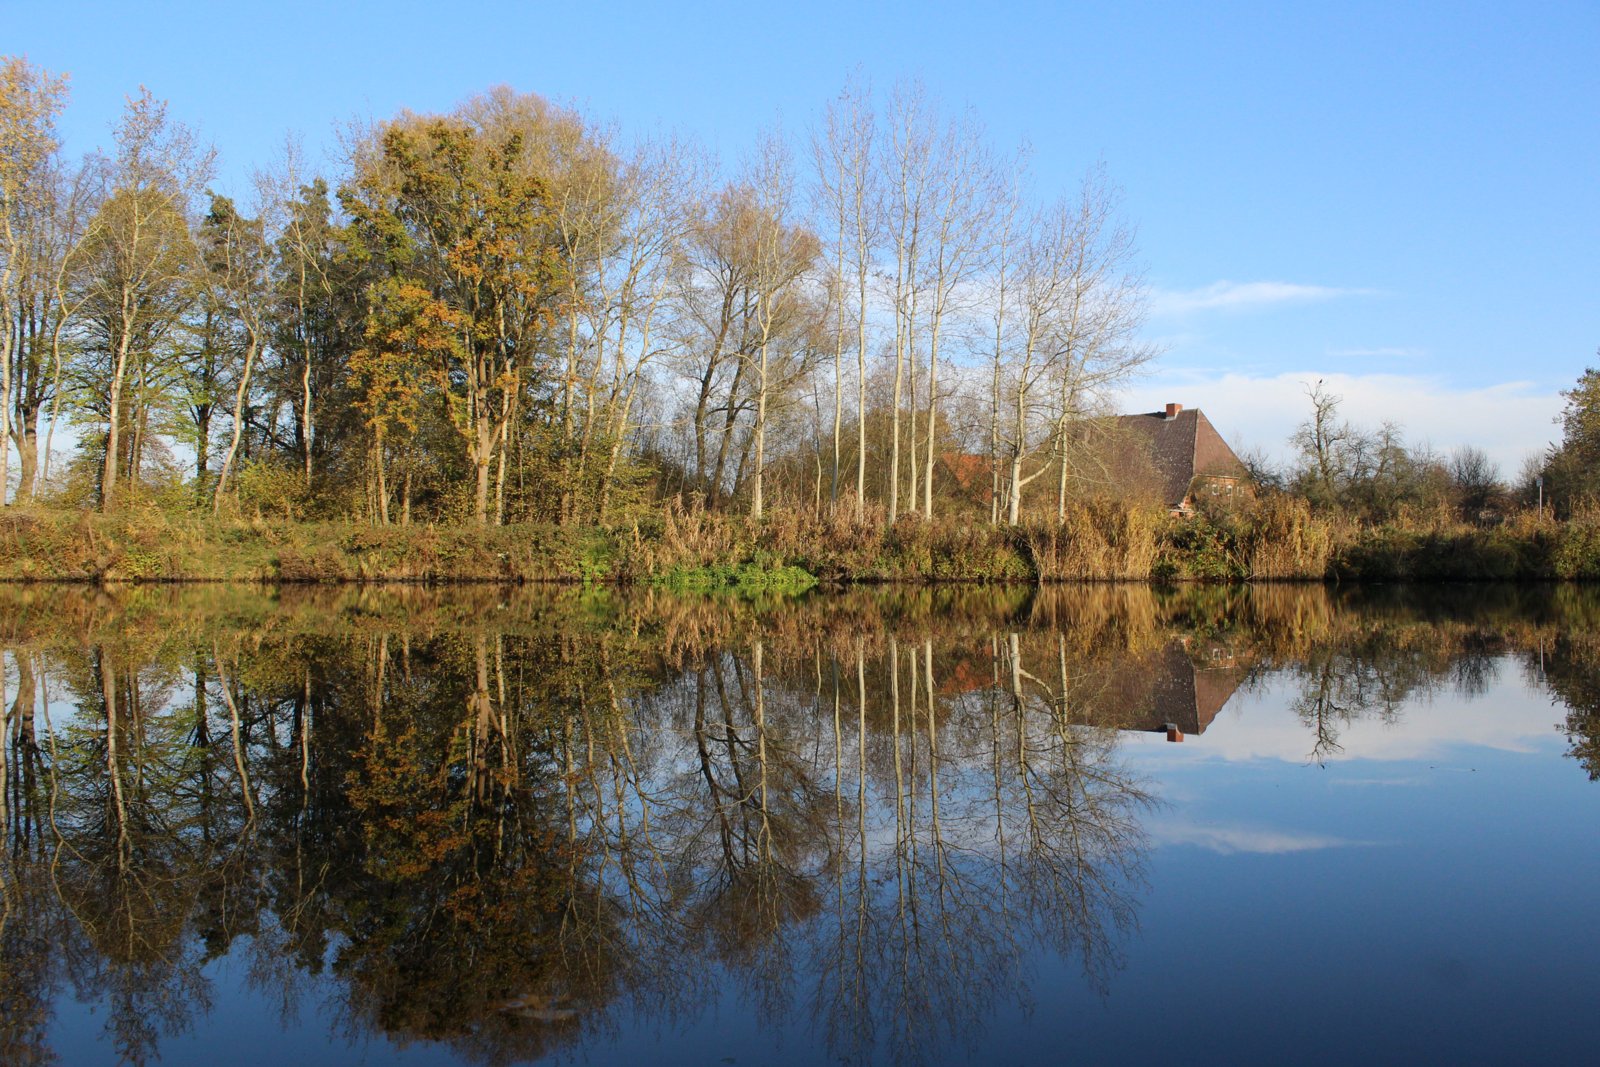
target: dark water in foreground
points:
(478, 826)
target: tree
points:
(1323, 441)
(907, 166)
(842, 151)
(30, 100)
(1078, 304)
(1475, 479)
(784, 253)
(964, 190)
(309, 289)
(454, 208)
(1104, 306)
(412, 336)
(238, 258)
(1572, 471)
(139, 264)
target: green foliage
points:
(1571, 472)
(1204, 548)
(1577, 551)
(745, 580)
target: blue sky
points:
(1398, 198)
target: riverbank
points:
(1275, 540)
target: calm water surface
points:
(1105, 824)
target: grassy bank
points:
(1278, 539)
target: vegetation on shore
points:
(1274, 539)
(507, 344)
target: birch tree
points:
(784, 253)
(47, 204)
(843, 156)
(30, 101)
(307, 321)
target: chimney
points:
(1173, 409)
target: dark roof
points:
(1171, 687)
(1182, 448)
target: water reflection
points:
(514, 822)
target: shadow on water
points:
(518, 821)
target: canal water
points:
(1096, 823)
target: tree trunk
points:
(108, 478)
(756, 501)
(933, 414)
(238, 426)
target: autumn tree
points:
(413, 339)
(453, 209)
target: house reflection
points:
(1178, 689)
(1188, 683)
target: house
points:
(1174, 455)
(1184, 453)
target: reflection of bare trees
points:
(503, 828)
(1372, 679)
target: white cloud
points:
(1444, 729)
(1230, 840)
(1241, 296)
(1508, 421)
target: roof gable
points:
(1182, 447)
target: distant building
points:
(1189, 458)
(1174, 455)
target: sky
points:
(1398, 199)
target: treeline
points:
(1376, 476)
(512, 312)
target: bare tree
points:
(965, 191)
(1008, 206)
(1103, 306)
(1322, 441)
(906, 167)
(660, 182)
(1476, 480)
(847, 190)
(783, 255)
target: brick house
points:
(1186, 455)
(1174, 455)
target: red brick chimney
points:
(1173, 409)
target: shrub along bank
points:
(1277, 539)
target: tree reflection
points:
(509, 823)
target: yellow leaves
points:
(412, 337)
